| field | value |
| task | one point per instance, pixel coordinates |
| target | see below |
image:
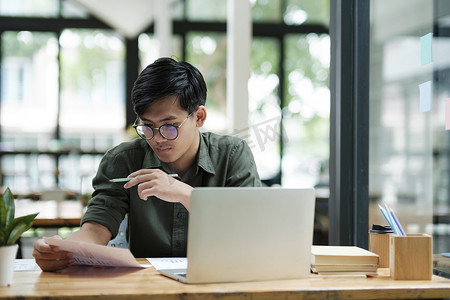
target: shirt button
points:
(179, 215)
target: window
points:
(207, 51)
(409, 143)
(62, 97)
(92, 87)
(29, 8)
(307, 110)
(264, 107)
(70, 84)
(29, 84)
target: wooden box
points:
(379, 244)
(411, 257)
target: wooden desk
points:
(119, 283)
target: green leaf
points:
(2, 236)
(8, 200)
(12, 228)
(19, 226)
(3, 214)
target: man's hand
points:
(154, 182)
(50, 258)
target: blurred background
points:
(63, 90)
(67, 68)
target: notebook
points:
(248, 234)
(343, 260)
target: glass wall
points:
(29, 88)
(307, 111)
(29, 97)
(92, 87)
(207, 51)
(409, 115)
(30, 8)
(62, 99)
(63, 91)
(288, 86)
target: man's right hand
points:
(50, 258)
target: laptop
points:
(248, 234)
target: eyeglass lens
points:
(169, 132)
(144, 131)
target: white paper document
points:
(96, 255)
(166, 263)
(28, 264)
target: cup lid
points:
(381, 229)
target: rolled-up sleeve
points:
(110, 201)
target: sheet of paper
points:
(426, 96)
(96, 255)
(426, 49)
(25, 265)
(447, 114)
(166, 263)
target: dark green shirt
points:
(157, 228)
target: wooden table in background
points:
(57, 222)
(441, 265)
(120, 283)
(52, 213)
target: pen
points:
(397, 222)
(396, 230)
(129, 178)
(389, 220)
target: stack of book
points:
(343, 260)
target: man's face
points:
(169, 112)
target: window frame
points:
(349, 123)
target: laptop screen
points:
(238, 234)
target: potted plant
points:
(10, 231)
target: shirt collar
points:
(204, 160)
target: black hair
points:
(167, 77)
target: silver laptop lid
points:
(246, 234)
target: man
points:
(170, 159)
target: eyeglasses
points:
(169, 132)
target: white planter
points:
(7, 257)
